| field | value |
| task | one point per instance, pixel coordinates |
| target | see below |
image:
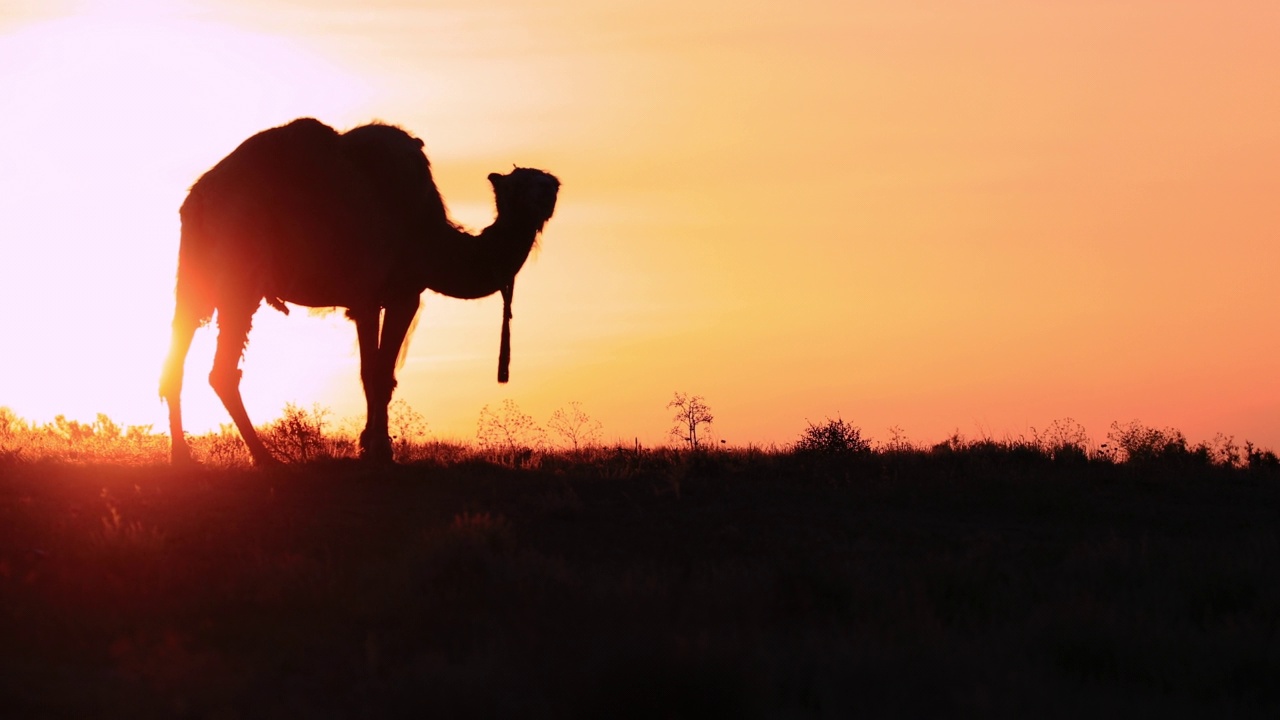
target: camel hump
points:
(396, 167)
(299, 146)
(307, 134)
(288, 197)
(307, 122)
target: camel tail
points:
(194, 294)
(193, 297)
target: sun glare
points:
(110, 115)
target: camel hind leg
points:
(233, 333)
(184, 329)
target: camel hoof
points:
(180, 457)
(378, 455)
(266, 461)
(376, 449)
(183, 462)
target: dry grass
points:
(975, 578)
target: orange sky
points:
(976, 216)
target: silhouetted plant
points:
(1138, 443)
(1259, 459)
(833, 437)
(575, 427)
(897, 442)
(298, 435)
(509, 431)
(955, 442)
(1222, 450)
(1064, 439)
(691, 413)
(408, 425)
(223, 448)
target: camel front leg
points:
(379, 349)
(375, 445)
(395, 327)
(233, 333)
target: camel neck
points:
(461, 265)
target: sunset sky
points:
(976, 217)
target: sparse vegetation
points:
(692, 413)
(1027, 577)
(298, 435)
(1135, 442)
(832, 438)
(575, 428)
(508, 434)
(74, 441)
(1063, 439)
(408, 426)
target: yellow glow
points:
(110, 115)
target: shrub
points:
(223, 448)
(1222, 451)
(1139, 443)
(509, 434)
(1064, 439)
(691, 414)
(575, 427)
(1259, 459)
(898, 442)
(298, 435)
(834, 437)
(407, 425)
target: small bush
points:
(298, 435)
(1064, 439)
(898, 442)
(508, 435)
(222, 449)
(575, 428)
(1222, 451)
(834, 437)
(407, 425)
(1259, 459)
(1141, 444)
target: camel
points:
(306, 215)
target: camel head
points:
(525, 195)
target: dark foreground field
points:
(983, 584)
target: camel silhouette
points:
(306, 215)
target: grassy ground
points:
(980, 582)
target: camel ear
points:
(494, 178)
